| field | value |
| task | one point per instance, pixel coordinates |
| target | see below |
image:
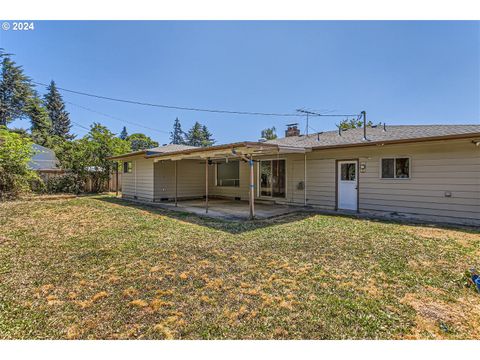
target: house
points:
(425, 172)
(44, 162)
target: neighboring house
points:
(428, 172)
(44, 162)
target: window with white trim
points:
(395, 168)
(127, 167)
(228, 174)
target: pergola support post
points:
(252, 190)
(116, 178)
(206, 185)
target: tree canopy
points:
(15, 154)
(59, 117)
(89, 154)
(177, 136)
(140, 141)
(15, 90)
(199, 135)
(41, 125)
(269, 133)
(352, 124)
(123, 135)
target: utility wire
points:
(190, 108)
(170, 106)
(117, 118)
(80, 125)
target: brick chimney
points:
(292, 130)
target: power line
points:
(80, 125)
(192, 108)
(117, 118)
(171, 106)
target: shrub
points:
(15, 176)
(68, 183)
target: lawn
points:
(99, 268)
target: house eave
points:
(398, 141)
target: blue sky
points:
(399, 72)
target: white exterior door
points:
(347, 183)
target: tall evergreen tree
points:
(195, 136)
(177, 135)
(15, 90)
(56, 111)
(199, 135)
(124, 134)
(207, 137)
(41, 125)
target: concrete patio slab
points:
(229, 209)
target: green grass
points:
(99, 268)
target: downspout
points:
(135, 172)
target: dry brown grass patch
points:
(183, 276)
(138, 303)
(99, 296)
(156, 304)
(444, 234)
(83, 304)
(73, 332)
(130, 292)
(164, 331)
(462, 315)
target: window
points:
(348, 172)
(127, 167)
(396, 168)
(228, 174)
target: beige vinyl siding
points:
(190, 179)
(297, 175)
(436, 167)
(139, 183)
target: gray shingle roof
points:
(168, 149)
(376, 134)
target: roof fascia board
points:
(399, 141)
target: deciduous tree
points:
(140, 141)
(269, 133)
(15, 153)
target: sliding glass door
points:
(272, 178)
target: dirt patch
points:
(442, 320)
(444, 234)
(48, 197)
